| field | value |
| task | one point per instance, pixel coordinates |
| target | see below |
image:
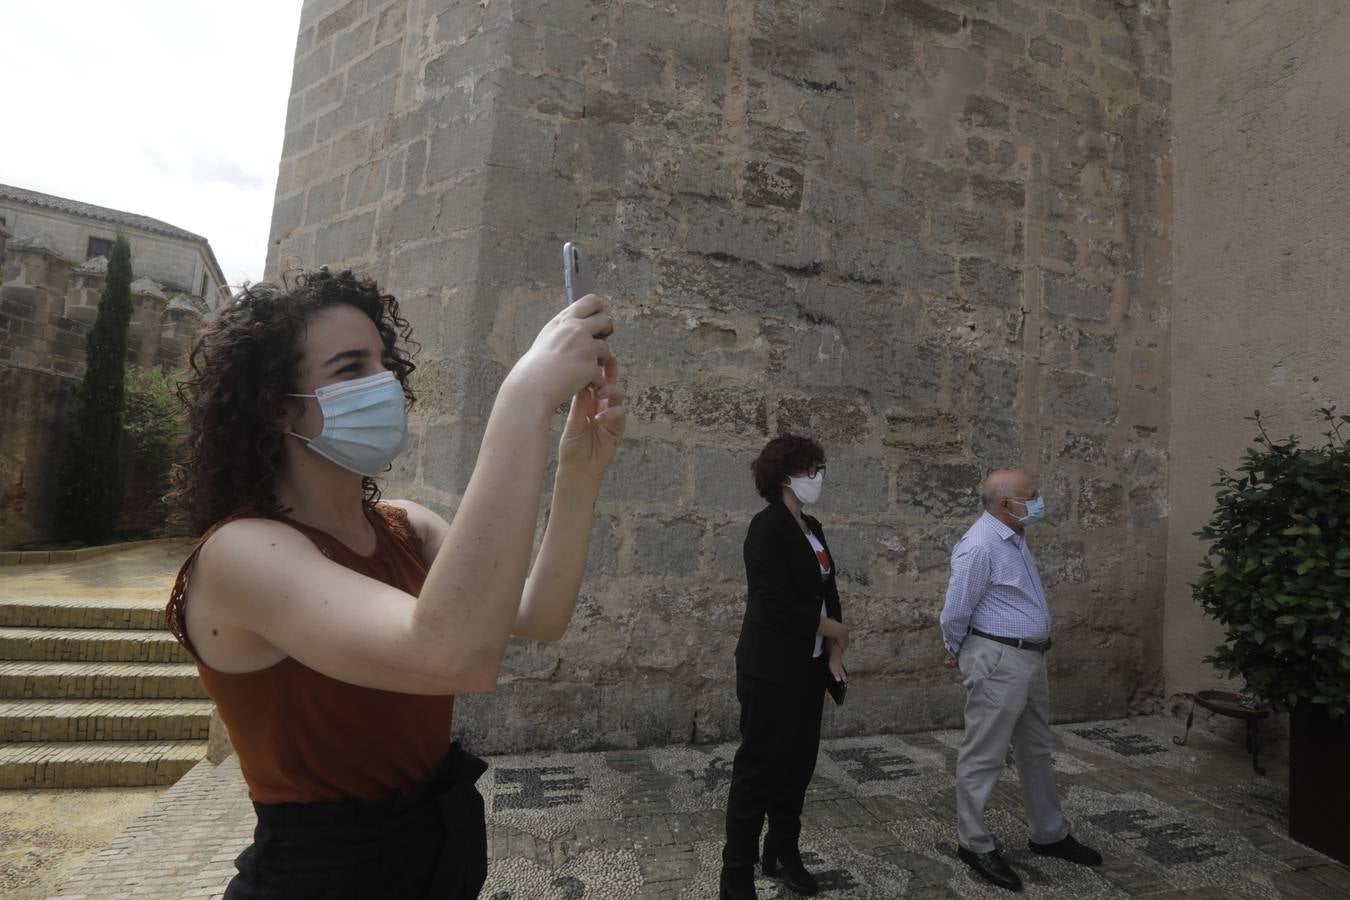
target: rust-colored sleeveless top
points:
(302, 737)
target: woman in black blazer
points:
(792, 639)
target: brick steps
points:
(97, 763)
(76, 612)
(90, 645)
(28, 680)
(95, 692)
(50, 721)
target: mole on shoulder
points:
(215, 633)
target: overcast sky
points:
(167, 108)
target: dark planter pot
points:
(1319, 781)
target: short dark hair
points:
(781, 457)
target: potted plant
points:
(1277, 577)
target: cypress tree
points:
(91, 472)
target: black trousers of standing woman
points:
(780, 737)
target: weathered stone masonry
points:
(934, 235)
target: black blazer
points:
(782, 609)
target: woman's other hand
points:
(595, 425)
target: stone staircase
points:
(95, 693)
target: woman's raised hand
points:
(570, 354)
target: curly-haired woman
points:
(333, 630)
(792, 639)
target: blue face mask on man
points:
(1035, 510)
(365, 423)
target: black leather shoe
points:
(1069, 849)
(786, 866)
(737, 883)
(991, 867)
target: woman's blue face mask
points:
(365, 423)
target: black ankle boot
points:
(737, 883)
(788, 862)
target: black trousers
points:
(430, 843)
(780, 737)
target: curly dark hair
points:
(781, 457)
(244, 361)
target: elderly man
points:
(996, 626)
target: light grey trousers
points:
(1007, 703)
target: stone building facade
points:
(49, 294)
(934, 235)
(177, 260)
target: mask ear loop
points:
(295, 434)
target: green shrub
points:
(152, 421)
(1277, 574)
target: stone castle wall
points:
(936, 236)
(47, 306)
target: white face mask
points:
(807, 489)
(365, 423)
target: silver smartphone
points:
(576, 273)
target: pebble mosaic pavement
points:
(1172, 822)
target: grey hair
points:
(989, 497)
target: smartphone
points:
(576, 273)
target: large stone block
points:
(997, 442)
(450, 452)
(325, 200)
(1073, 395)
(530, 715)
(720, 283)
(715, 409)
(722, 480)
(658, 29)
(919, 15)
(983, 281)
(812, 355)
(1067, 297)
(810, 69)
(986, 112)
(854, 485)
(603, 558)
(1101, 504)
(713, 230)
(854, 550)
(348, 238)
(1084, 446)
(979, 229)
(894, 262)
(376, 66)
(668, 547)
(1059, 561)
(934, 432)
(728, 551)
(989, 383)
(773, 185)
(644, 472)
(844, 420)
(645, 711)
(939, 490)
(900, 373)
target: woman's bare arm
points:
(263, 577)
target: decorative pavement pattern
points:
(1172, 822)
